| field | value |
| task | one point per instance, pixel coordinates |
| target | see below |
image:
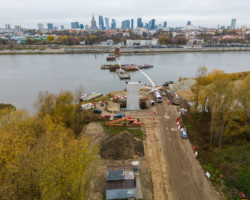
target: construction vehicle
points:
(125, 121)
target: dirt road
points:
(176, 173)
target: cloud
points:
(28, 13)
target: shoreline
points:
(100, 50)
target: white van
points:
(87, 106)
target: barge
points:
(122, 74)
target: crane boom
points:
(150, 80)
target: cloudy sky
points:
(210, 13)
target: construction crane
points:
(155, 90)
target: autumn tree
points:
(201, 72)
(42, 159)
(221, 102)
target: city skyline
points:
(176, 13)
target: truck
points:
(157, 96)
(88, 106)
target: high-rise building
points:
(107, 23)
(126, 24)
(188, 23)
(18, 28)
(151, 24)
(93, 23)
(165, 24)
(62, 27)
(113, 24)
(81, 26)
(75, 25)
(132, 24)
(50, 26)
(101, 23)
(55, 28)
(7, 26)
(139, 23)
(146, 25)
(40, 26)
(233, 24)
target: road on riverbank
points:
(176, 173)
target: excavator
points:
(125, 121)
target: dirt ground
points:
(97, 185)
(176, 173)
(169, 167)
(122, 146)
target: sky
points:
(209, 13)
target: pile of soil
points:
(184, 85)
(122, 146)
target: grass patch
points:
(113, 130)
(230, 164)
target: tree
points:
(201, 72)
(50, 38)
(221, 102)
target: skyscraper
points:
(139, 23)
(233, 23)
(188, 23)
(132, 24)
(81, 26)
(101, 23)
(40, 26)
(151, 24)
(107, 23)
(75, 25)
(62, 27)
(113, 24)
(50, 26)
(165, 24)
(7, 26)
(126, 24)
(93, 23)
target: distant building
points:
(18, 28)
(81, 26)
(7, 26)
(93, 24)
(40, 26)
(62, 27)
(147, 42)
(146, 25)
(126, 24)
(139, 23)
(188, 23)
(233, 24)
(151, 24)
(222, 27)
(113, 24)
(55, 27)
(50, 26)
(165, 24)
(132, 24)
(87, 27)
(75, 25)
(101, 23)
(107, 23)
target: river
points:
(23, 76)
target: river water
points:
(23, 76)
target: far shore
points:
(124, 50)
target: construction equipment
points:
(125, 121)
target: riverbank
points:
(94, 49)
